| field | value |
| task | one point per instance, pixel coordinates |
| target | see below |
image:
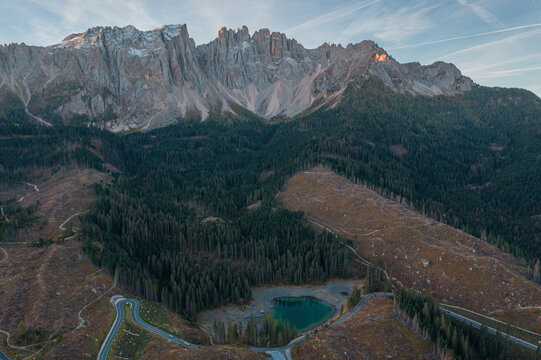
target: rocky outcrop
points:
(125, 78)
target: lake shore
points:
(334, 293)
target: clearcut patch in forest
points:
(419, 252)
(44, 288)
(159, 349)
(528, 318)
(372, 333)
(60, 195)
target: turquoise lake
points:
(301, 312)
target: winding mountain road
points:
(119, 302)
(277, 353)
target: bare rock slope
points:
(126, 78)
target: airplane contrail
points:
(331, 16)
(466, 36)
(507, 72)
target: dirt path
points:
(4, 215)
(32, 185)
(6, 256)
(25, 348)
(359, 258)
(28, 347)
(61, 226)
(82, 322)
(423, 253)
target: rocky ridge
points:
(125, 78)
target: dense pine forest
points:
(192, 219)
(265, 333)
(472, 160)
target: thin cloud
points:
(330, 16)
(390, 24)
(476, 66)
(76, 15)
(482, 13)
(465, 36)
(510, 72)
(209, 20)
(509, 39)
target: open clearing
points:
(372, 333)
(60, 196)
(171, 322)
(526, 318)
(160, 349)
(46, 287)
(518, 332)
(419, 252)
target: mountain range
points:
(124, 78)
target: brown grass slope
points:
(61, 194)
(46, 287)
(161, 349)
(421, 253)
(373, 333)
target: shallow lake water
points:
(333, 293)
(301, 312)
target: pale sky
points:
(495, 42)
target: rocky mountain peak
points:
(229, 37)
(123, 78)
(128, 35)
(241, 33)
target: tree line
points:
(453, 339)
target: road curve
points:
(119, 303)
(104, 350)
(277, 353)
(284, 351)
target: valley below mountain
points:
(157, 197)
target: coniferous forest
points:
(191, 218)
(454, 339)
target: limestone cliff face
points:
(125, 78)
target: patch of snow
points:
(137, 52)
(171, 30)
(291, 61)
